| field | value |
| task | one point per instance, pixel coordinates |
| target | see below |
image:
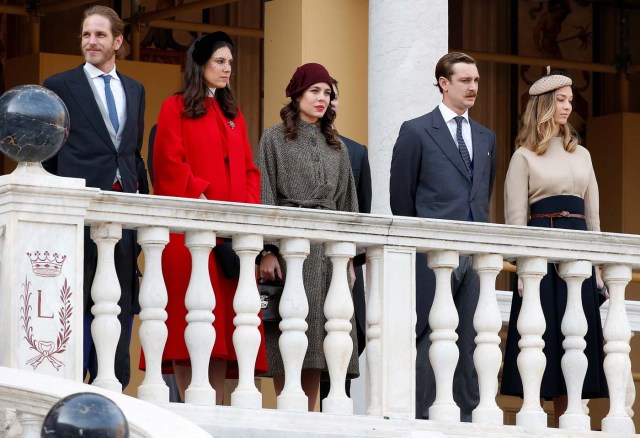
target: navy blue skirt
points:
(553, 296)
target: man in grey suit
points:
(443, 167)
(106, 109)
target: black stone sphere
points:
(34, 123)
(87, 415)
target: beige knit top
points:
(532, 177)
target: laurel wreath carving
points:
(47, 349)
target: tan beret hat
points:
(549, 83)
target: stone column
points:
(406, 39)
(41, 271)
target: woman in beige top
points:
(551, 183)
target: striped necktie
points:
(462, 147)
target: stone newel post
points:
(42, 218)
(42, 238)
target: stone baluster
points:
(487, 322)
(293, 340)
(617, 365)
(246, 336)
(531, 325)
(200, 301)
(574, 328)
(338, 345)
(374, 332)
(443, 320)
(153, 300)
(630, 394)
(105, 293)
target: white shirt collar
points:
(448, 114)
(212, 92)
(95, 72)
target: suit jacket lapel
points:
(442, 137)
(131, 96)
(82, 93)
(480, 151)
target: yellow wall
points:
(333, 33)
(160, 81)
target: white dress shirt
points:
(116, 88)
(449, 117)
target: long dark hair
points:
(290, 114)
(195, 91)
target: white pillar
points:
(531, 326)
(246, 336)
(200, 336)
(338, 345)
(293, 341)
(41, 271)
(443, 320)
(393, 378)
(406, 39)
(574, 327)
(617, 365)
(153, 300)
(487, 322)
(105, 293)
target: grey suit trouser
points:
(465, 286)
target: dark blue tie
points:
(111, 103)
(462, 146)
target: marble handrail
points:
(391, 244)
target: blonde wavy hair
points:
(538, 125)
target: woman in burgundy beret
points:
(304, 164)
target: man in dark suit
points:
(106, 109)
(443, 167)
(359, 159)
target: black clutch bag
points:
(270, 293)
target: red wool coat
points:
(210, 155)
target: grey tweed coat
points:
(307, 172)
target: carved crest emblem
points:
(46, 265)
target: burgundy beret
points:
(305, 76)
(203, 46)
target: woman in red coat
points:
(202, 151)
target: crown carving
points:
(45, 264)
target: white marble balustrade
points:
(391, 243)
